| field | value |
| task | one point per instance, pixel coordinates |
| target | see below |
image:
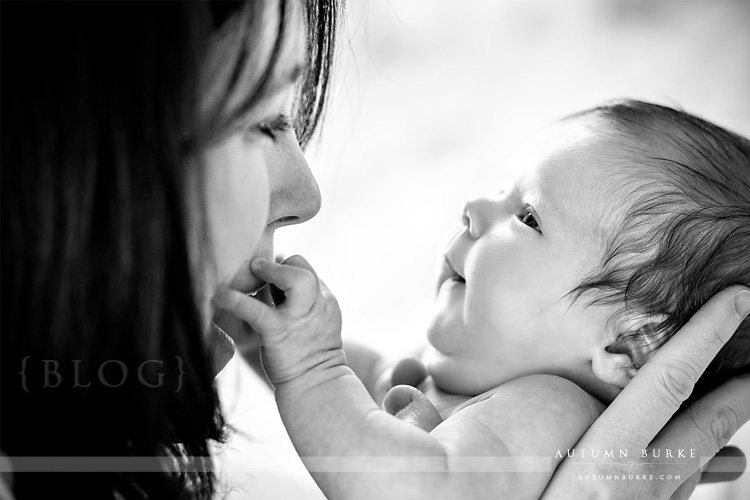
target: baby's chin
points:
(457, 376)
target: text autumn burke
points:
(653, 453)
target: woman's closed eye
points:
(271, 128)
(527, 217)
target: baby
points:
(624, 220)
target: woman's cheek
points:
(256, 197)
(237, 195)
(252, 206)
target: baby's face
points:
(502, 308)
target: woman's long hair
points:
(103, 349)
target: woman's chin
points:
(244, 281)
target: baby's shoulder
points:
(553, 392)
(552, 395)
(547, 405)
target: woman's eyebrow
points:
(294, 73)
(287, 78)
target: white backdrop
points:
(433, 96)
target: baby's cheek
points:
(490, 303)
(494, 318)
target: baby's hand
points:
(301, 335)
(408, 404)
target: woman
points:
(147, 155)
(137, 172)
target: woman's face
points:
(257, 179)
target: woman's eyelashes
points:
(272, 128)
(527, 217)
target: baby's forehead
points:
(581, 176)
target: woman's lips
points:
(245, 281)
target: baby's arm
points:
(329, 414)
(368, 365)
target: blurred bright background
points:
(431, 99)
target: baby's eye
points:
(526, 216)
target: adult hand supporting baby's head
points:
(639, 418)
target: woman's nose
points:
(295, 196)
(477, 216)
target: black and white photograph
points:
(375, 249)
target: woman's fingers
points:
(711, 473)
(660, 387)
(705, 427)
(685, 490)
(728, 465)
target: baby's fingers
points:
(299, 261)
(259, 315)
(409, 405)
(299, 284)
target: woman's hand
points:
(299, 335)
(639, 418)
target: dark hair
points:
(99, 123)
(321, 20)
(685, 232)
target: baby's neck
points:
(447, 403)
(602, 391)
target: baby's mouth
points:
(449, 273)
(457, 277)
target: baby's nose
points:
(477, 216)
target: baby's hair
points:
(685, 232)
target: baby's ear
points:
(618, 362)
(612, 368)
